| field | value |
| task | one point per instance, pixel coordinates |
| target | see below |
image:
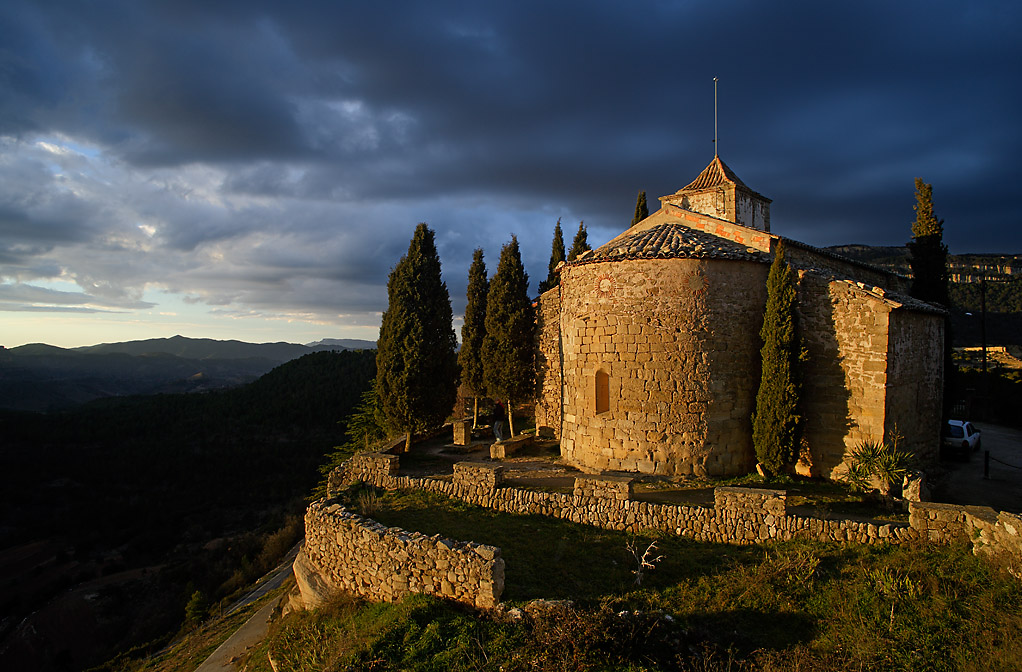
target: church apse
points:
(672, 352)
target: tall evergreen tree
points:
(928, 259)
(556, 257)
(509, 363)
(641, 209)
(580, 244)
(776, 423)
(473, 331)
(927, 251)
(416, 364)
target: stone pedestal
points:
(462, 432)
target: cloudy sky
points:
(253, 170)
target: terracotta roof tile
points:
(714, 175)
(672, 240)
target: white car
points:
(960, 435)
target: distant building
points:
(649, 347)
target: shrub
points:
(878, 464)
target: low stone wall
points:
(939, 523)
(998, 533)
(992, 533)
(371, 468)
(603, 487)
(477, 478)
(740, 515)
(346, 552)
(749, 502)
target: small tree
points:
(509, 365)
(776, 424)
(580, 244)
(473, 331)
(641, 209)
(197, 607)
(366, 423)
(556, 257)
(416, 364)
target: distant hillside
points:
(962, 268)
(892, 257)
(1003, 295)
(39, 377)
(347, 343)
(207, 348)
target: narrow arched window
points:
(602, 392)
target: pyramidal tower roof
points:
(718, 192)
(714, 175)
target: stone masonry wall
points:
(346, 552)
(845, 332)
(548, 364)
(673, 337)
(915, 369)
(992, 533)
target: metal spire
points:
(714, 117)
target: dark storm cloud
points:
(278, 156)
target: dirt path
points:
(963, 482)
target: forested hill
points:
(39, 377)
(124, 483)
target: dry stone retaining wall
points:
(991, 532)
(344, 551)
(739, 516)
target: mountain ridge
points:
(40, 377)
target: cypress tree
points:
(416, 364)
(776, 423)
(641, 210)
(472, 332)
(556, 257)
(580, 244)
(927, 251)
(928, 259)
(509, 345)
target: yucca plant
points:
(879, 464)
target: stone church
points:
(649, 347)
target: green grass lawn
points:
(794, 605)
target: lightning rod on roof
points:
(714, 117)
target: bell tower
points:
(719, 193)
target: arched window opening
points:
(602, 392)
